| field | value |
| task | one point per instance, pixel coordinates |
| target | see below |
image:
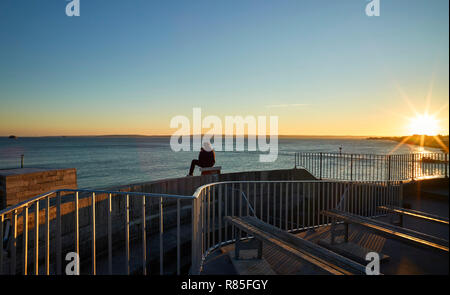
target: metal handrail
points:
(209, 204)
(22, 209)
(374, 167)
(200, 188)
(274, 203)
(45, 195)
(249, 204)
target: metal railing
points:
(118, 232)
(367, 167)
(289, 205)
(131, 232)
(92, 224)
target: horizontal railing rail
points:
(370, 167)
(289, 205)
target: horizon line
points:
(224, 135)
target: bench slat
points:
(297, 247)
(390, 231)
(295, 253)
(308, 246)
(415, 213)
(395, 228)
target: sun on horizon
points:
(424, 124)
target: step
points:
(250, 266)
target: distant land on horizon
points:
(169, 135)
(428, 141)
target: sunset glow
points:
(424, 124)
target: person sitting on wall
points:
(206, 158)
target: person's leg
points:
(204, 164)
(193, 163)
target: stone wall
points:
(18, 185)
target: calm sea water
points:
(104, 161)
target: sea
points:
(105, 162)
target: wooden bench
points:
(210, 170)
(390, 231)
(293, 246)
(414, 213)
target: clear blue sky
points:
(129, 66)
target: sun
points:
(424, 124)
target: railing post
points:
(93, 235)
(58, 234)
(446, 165)
(400, 201)
(13, 243)
(25, 239)
(389, 167)
(320, 168)
(412, 165)
(1, 245)
(195, 247)
(351, 167)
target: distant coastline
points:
(169, 135)
(428, 141)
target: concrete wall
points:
(179, 186)
(17, 185)
(188, 185)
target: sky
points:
(130, 66)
